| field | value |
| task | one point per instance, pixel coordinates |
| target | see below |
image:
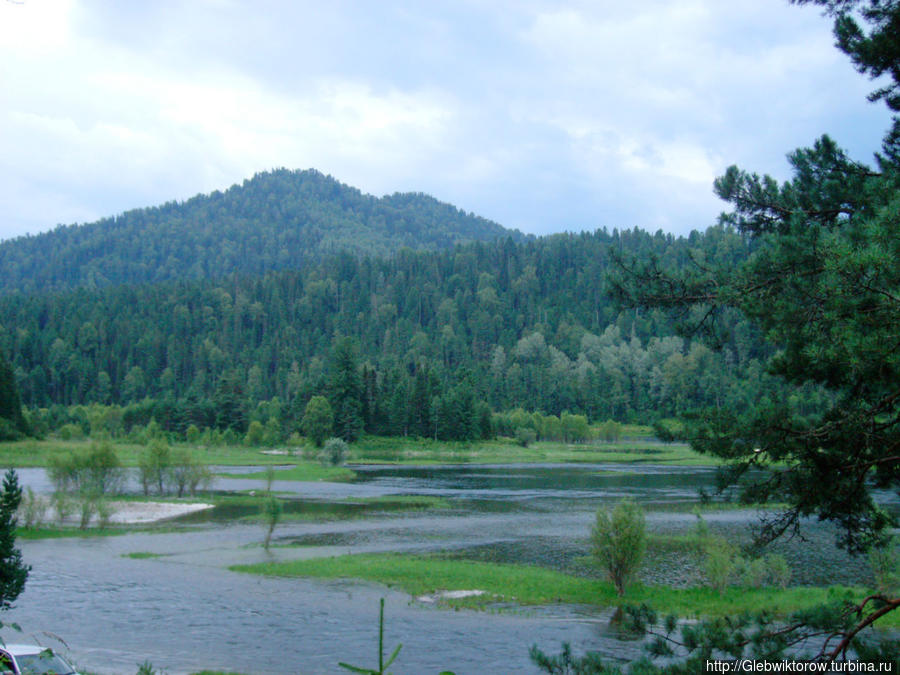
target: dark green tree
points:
(822, 283)
(230, 403)
(12, 422)
(873, 47)
(13, 572)
(345, 389)
(420, 412)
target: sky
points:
(543, 116)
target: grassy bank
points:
(249, 508)
(526, 585)
(304, 471)
(64, 531)
(38, 453)
(638, 448)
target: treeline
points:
(276, 220)
(272, 424)
(500, 325)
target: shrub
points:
(70, 432)
(104, 512)
(88, 508)
(721, 563)
(724, 565)
(103, 470)
(779, 570)
(192, 434)
(63, 505)
(272, 434)
(8, 431)
(97, 470)
(334, 452)
(610, 431)
(753, 572)
(199, 476)
(33, 508)
(525, 436)
(255, 433)
(618, 542)
(154, 465)
(885, 564)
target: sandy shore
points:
(131, 513)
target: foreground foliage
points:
(618, 542)
(529, 585)
(822, 284)
(807, 635)
(13, 571)
(382, 664)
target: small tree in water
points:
(618, 542)
(272, 512)
(13, 572)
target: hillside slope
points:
(277, 220)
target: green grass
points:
(527, 585)
(304, 471)
(34, 453)
(61, 532)
(381, 450)
(378, 450)
(710, 507)
(331, 511)
(405, 502)
(143, 555)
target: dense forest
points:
(276, 220)
(485, 326)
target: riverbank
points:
(142, 513)
(639, 449)
(505, 585)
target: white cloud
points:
(539, 114)
(35, 27)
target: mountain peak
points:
(277, 219)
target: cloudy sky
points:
(544, 116)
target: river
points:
(184, 611)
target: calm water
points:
(185, 611)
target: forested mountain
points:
(276, 220)
(510, 324)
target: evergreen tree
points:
(345, 389)
(12, 422)
(13, 572)
(823, 285)
(230, 404)
(874, 49)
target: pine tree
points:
(345, 389)
(13, 572)
(822, 283)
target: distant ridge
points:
(276, 220)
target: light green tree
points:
(618, 542)
(318, 420)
